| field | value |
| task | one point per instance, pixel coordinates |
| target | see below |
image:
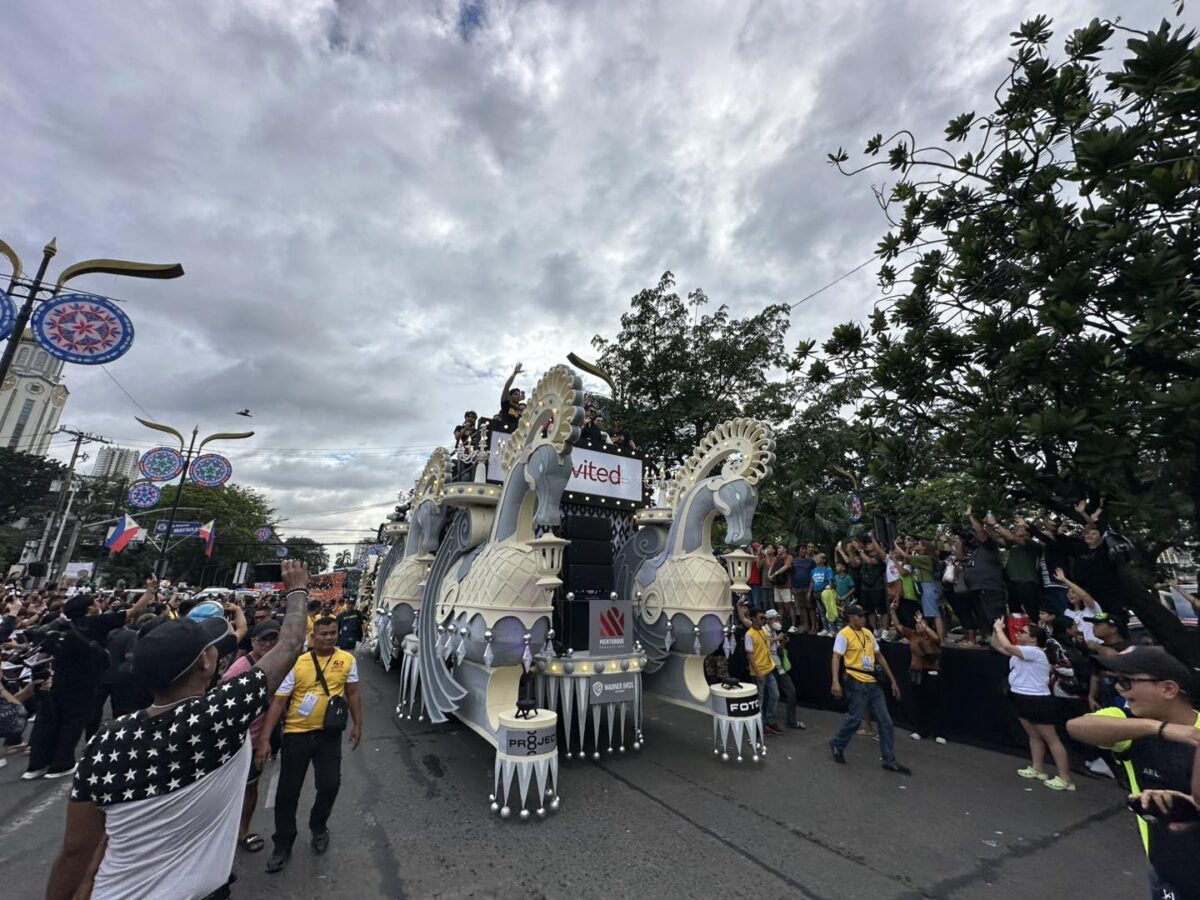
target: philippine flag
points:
(208, 531)
(123, 532)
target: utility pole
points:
(81, 437)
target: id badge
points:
(307, 705)
(868, 663)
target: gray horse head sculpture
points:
(548, 472)
(737, 501)
(427, 522)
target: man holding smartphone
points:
(1159, 692)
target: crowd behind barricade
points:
(70, 655)
(1093, 691)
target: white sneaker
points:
(1099, 767)
(32, 774)
(939, 740)
(70, 771)
(3, 762)
(915, 736)
(793, 630)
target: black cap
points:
(1153, 661)
(855, 610)
(265, 628)
(167, 651)
(1101, 617)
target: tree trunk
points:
(1164, 626)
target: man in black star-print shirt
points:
(165, 784)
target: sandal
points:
(252, 843)
(1031, 772)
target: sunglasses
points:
(1125, 683)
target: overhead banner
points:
(178, 529)
(593, 473)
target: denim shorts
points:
(931, 597)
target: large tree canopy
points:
(679, 372)
(1041, 320)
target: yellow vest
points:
(760, 653)
(860, 644)
(336, 668)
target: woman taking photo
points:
(1037, 709)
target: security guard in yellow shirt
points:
(856, 648)
(319, 676)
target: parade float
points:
(534, 587)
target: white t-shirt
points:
(171, 787)
(893, 571)
(1030, 676)
(1085, 628)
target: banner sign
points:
(528, 741)
(610, 627)
(593, 473)
(179, 529)
(620, 688)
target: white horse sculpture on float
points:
(483, 604)
(681, 592)
(401, 582)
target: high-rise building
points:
(31, 398)
(116, 462)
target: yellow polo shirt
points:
(339, 668)
(859, 652)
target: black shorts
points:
(908, 610)
(874, 600)
(966, 609)
(1042, 710)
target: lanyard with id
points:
(309, 702)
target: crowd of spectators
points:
(1088, 683)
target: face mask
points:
(778, 626)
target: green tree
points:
(679, 372)
(1041, 320)
(309, 552)
(237, 510)
(25, 500)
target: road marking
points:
(38, 808)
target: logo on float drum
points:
(597, 689)
(612, 623)
(743, 707)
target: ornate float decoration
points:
(680, 592)
(401, 574)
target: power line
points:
(113, 378)
(808, 297)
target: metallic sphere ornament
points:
(554, 805)
(596, 755)
(492, 798)
(83, 329)
(568, 667)
(487, 635)
(462, 632)
(624, 665)
(505, 812)
(724, 757)
(210, 470)
(754, 758)
(549, 792)
(637, 745)
(495, 807)
(569, 755)
(550, 635)
(621, 749)
(161, 464)
(739, 757)
(541, 812)
(716, 751)
(524, 815)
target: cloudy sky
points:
(382, 206)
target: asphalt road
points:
(412, 821)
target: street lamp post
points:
(86, 267)
(160, 565)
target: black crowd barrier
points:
(974, 709)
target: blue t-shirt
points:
(802, 569)
(822, 577)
